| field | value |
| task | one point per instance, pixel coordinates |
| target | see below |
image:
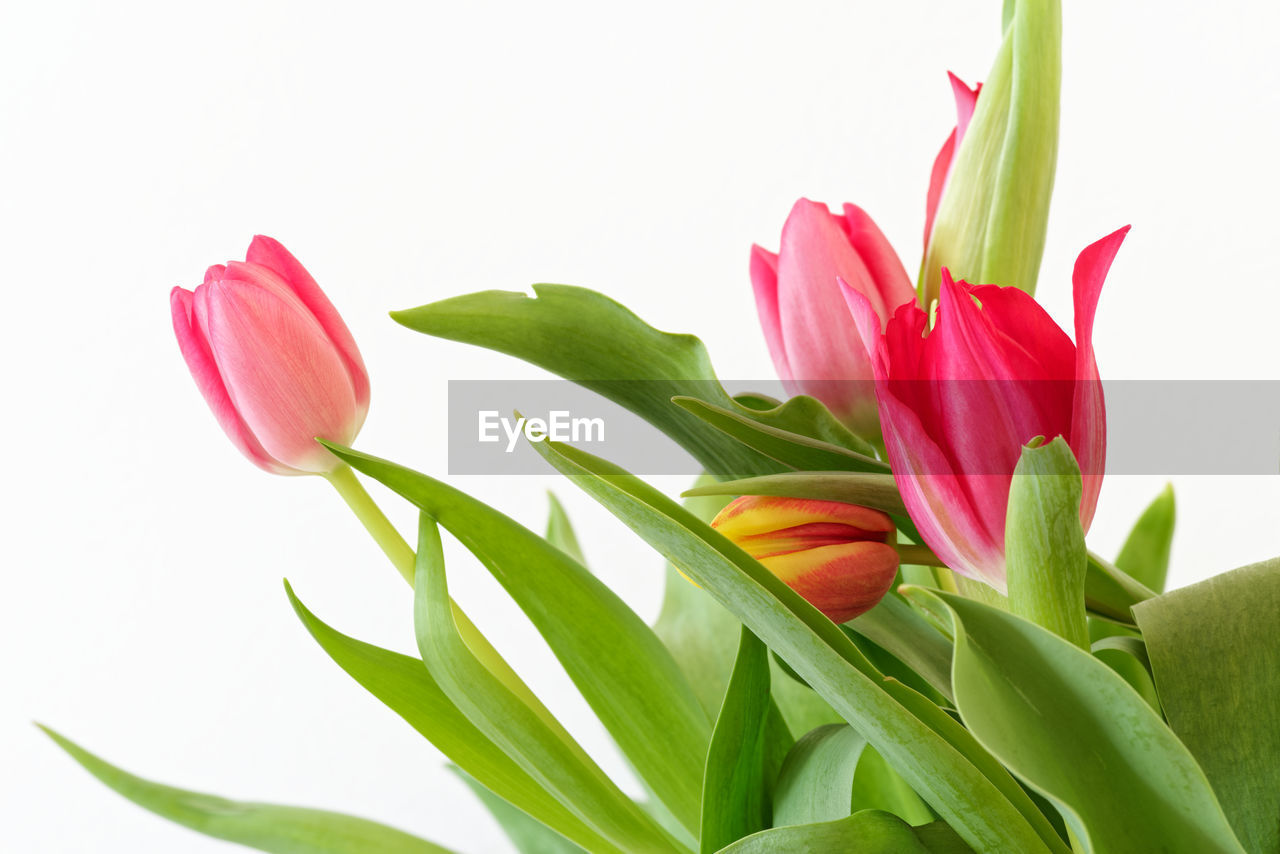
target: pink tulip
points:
(958, 402)
(273, 359)
(966, 100)
(816, 349)
(833, 554)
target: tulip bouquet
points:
(882, 628)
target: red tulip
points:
(273, 359)
(958, 401)
(833, 554)
(815, 346)
(966, 100)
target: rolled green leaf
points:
(993, 215)
(267, 827)
(1074, 731)
(1215, 653)
(1045, 555)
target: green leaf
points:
(797, 451)
(1110, 593)
(899, 630)
(734, 802)
(1145, 555)
(866, 832)
(1127, 655)
(869, 489)
(832, 772)
(527, 835)
(407, 688)
(549, 755)
(1078, 734)
(1044, 546)
(560, 531)
(588, 338)
(927, 747)
(621, 667)
(1215, 653)
(267, 827)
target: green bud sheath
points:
(993, 214)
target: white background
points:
(406, 152)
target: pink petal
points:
(764, 281)
(282, 373)
(195, 351)
(966, 101)
(892, 284)
(272, 255)
(1089, 418)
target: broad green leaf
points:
(621, 667)
(897, 628)
(791, 449)
(527, 835)
(549, 756)
(407, 688)
(832, 772)
(1145, 555)
(734, 801)
(936, 756)
(1077, 733)
(869, 489)
(1215, 653)
(1044, 547)
(560, 531)
(267, 827)
(866, 832)
(588, 338)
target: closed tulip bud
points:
(836, 555)
(815, 348)
(273, 359)
(993, 213)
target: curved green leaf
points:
(267, 827)
(899, 630)
(1078, 734)
(1145, 554)
(549, 755)
(1110, 593)
(752, 428)
(734, 801)
(621, 667)
(866, 832)
(1215, 653)
(560, 530)
(870, 489)
(527, 835)
(927, 747)
(407, 688)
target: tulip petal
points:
(281, 372)
(753, 515)
(966, 100)
(195, 351)
(841, 581)
(892, 285)
(764, 281)
(1088, 437)
(271, 254)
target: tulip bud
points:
(993, 214)
(815, 347)
(836, 555)
(273, 359)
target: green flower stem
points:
(374, 520)
(918, 555)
